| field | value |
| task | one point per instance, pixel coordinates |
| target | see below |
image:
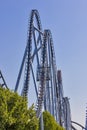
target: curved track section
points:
(51, 84)
(34, 24)
(29, 54)
(80, 126)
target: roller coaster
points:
(39, 75)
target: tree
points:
(14, 113)
(50, 123)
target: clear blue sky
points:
(67, 20)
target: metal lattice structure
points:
(2, 81)
(64, 106)
(40, 74)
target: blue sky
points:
(67, 20)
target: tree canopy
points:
(50, 123)
(14, 113)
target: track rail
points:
(42, 79)
(2, 80)
(83, 128)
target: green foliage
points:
(50, 123)
(14, 114)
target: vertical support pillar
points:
(86, 120)
(41, 122)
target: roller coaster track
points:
(2, 81)
(73, 122)
(27, 54)
(39, 62)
